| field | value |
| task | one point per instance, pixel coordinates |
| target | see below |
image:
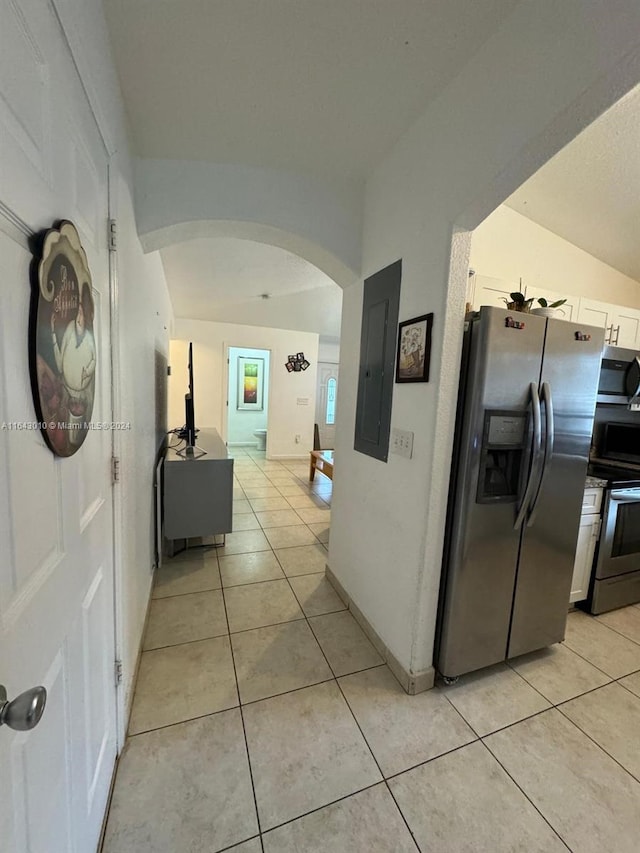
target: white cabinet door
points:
(568, 311)
(492, 291)
(587, 538)
(622, 324)
(596, 314)
(626, 328)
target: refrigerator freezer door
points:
(482, 545)
(571, 368)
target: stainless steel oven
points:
(617, 573)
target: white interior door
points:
(326, 396)
(56, 567)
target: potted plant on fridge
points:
(518, 302)
(548, 309)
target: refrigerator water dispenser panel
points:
(501, 457)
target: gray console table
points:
(197, 491)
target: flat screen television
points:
(189, 409)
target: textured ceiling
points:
(214, 273)
(589, 193)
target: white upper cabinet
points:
(491, 291)
(622, 325)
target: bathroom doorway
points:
(247, 398)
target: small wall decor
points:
(62, 343)
(250, 383)
(414, 349)
(296, 363)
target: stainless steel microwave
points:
(619, 376)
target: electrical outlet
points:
(402, 443)
(297, 439)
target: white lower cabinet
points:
(585, 549)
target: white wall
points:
(329, 351)
(287, 418)
(241, 423)
(530, 89)
(319, 219)
(508, 246)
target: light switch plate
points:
(402, 443)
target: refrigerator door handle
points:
(535, 455)
(548, 447)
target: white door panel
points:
(56, 567)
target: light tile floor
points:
(264, 720)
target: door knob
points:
(25, 711)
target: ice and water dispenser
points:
(502, 455)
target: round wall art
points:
(63, 348)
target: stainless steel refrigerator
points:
(525, 415)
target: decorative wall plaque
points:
(63, 347)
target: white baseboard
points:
(411, 682)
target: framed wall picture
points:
(414, 349)
(250, 383)
(63, 347)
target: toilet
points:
(261, 435)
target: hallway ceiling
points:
(323, 86)
(328, 87)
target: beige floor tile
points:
(259, 604)
(315, 515)
(368, 822)
(625, 621)
(281, 477)
(307, 501)
(632, 683)
(269, 504)
(321, 531)
(244, 542)
(251, 846)
(255, 479)
(288, 489)
(303, 560)
(277, 659)
(253, 492)
(186, 787)
(609, 651)
(464, 802)
(344, 643)
(558, 673)
(245, 521)
(240, 569)
(241, 506)
(238, 493)
(402, 730)
(493, 698)
(290, 537)
(316, 595)
(183, 618)
(195, 574)
(182, 682)
(585, 795)
(278, 518)
(611, 717)
(306, 751)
